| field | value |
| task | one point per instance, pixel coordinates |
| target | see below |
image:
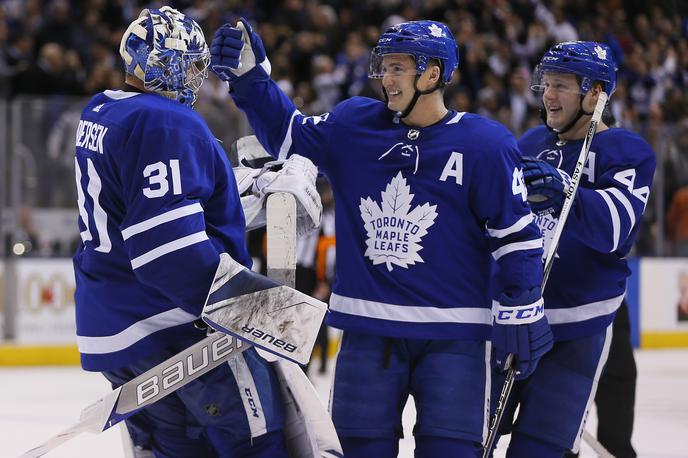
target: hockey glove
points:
(236, 50)
(521, 330)
(296, 176)
(546, 186)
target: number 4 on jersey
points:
(627, 178)
(517, 184)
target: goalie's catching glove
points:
(236, 50)
(546, 186)
(520, 328)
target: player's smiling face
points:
(399, 75)
(561, 98)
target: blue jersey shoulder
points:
(625, 147)
(132, 111)
(534, 136)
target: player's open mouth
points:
(393, 93)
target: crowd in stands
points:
(319, 53)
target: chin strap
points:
(567, 127)
(399, 115)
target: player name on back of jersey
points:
(90, 135)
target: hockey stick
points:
(309, 431)
(549, 260)
(163, 379)
(147, 388)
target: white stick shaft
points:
(573, 186)
(566, 208)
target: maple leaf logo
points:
(395, 230)
(436, 31)
(601, 52)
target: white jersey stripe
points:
(626, 203)
(134, 333)
(596, 380)
(517, 246)
(583, 312)
(409, 313)
(162, 218)
(286, 144)
(517, 226)
(616, 230)
(169, 247)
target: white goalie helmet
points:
(166, 51)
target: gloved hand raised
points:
(236, 50)
(546, 186)
(520, 328)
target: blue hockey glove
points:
(236, 50)
(521, 330)
(546, 186)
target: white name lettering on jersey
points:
(395, 230)
(90, 135)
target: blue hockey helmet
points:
(424, 40)
(167, 51)
(589, 60)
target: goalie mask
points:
(166, 51)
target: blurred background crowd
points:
(55, 51)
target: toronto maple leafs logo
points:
(436, 31)
(395, 230)
(601, 52)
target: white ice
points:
(36, 403)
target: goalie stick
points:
(177, 371)
(309, 431)
(549, 260)
(147, 388)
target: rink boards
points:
(37, 308)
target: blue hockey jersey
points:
(157, 204)
(588, 278)
(419, 212)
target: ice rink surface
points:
(36, 403)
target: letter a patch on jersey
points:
(395, 230)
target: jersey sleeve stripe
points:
(517, 246)
(169, 247)
(134, 333)
(626, 203)
(615, 218)
(583, 312)
(517, 226)
(286, 144)
(166, 217)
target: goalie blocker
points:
(273, 317)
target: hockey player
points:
(158, 203)
(425, 197)
(588, 279)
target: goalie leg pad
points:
(255, 308)
(221, 411)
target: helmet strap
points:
(567, 127)
(399, 115)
